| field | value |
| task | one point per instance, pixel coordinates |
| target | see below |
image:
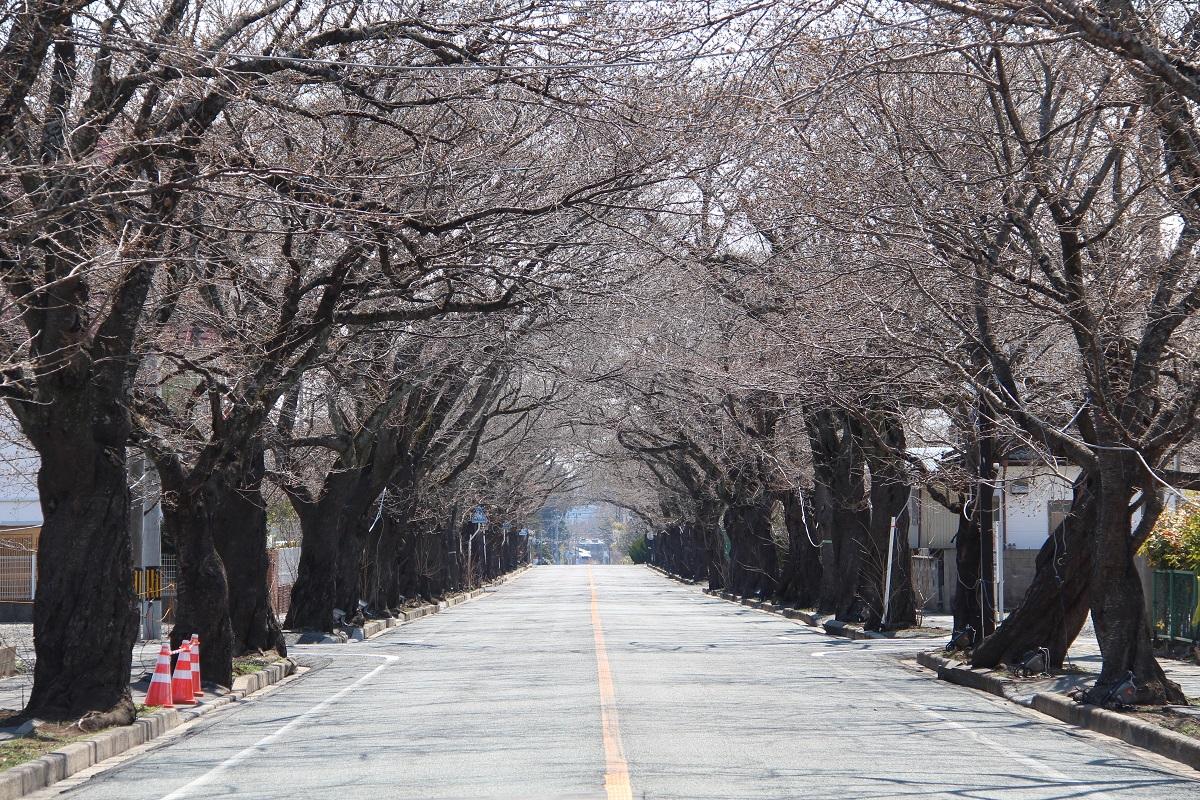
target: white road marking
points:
(257, 747)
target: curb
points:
(676, 578)
(982, 679)
(72, 758)
(377, 627)
(831, 626)
(1141, 734)
(1136, 732)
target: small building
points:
(598, 551)
(20, 515)
(1032, 498)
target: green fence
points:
(1176, 605)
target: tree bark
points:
(840, 475)
(387, 551)
(315, 589)
(902, 602)
(190, 515)
(85, 615)
(974, 601)
(1116, 597)
(753, 559)
(1055, 606)
(800, 581)
(240, 535)
(352, 546)
(889, 498)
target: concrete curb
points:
(831, 626)
(1130, 730)
(1136, 732)
(982, 679)
(411, 614)
(53, 767)
(377, 627)
(676, 578)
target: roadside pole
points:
(145, 516)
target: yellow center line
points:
(616, 771)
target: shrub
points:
(1175, 542)
(639, 550)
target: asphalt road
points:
(616, 683)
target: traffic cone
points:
(181, 681)
(196, 688)
(159, 693)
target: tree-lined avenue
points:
(502, 697)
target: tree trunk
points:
(902, 603)
(191, 514)
(1055, 606)
(695, 552)
(1116, 597)
(352, 545)
(386, 549)
(800, 582)
(469, 535)
(85, 615)
(753, 560)
(975, 544)
(452, 551)
(840, 477)
(324, 580)
(841, 578)
(240, 535)
(314, 592)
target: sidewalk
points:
(14, 690)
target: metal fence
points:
(284, 565)
(1176, 605)
(18, 577)
(926, 581)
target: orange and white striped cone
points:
(196, 688)
(181, 681)
(159, 693)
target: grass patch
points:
(15, 752)
(1183, 724)
(248, 665)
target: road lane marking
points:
(616, 770)
(258, 747)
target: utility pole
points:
(145, 523)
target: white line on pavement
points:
(257, 747)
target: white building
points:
(1032, 499)
(20, 514)
(19, 506)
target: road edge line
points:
(1135, 732)
(58, 765)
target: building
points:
(1032, 498)
(20, 515)
(597, 550)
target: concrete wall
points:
(1019, 568)
(11, 613)
(1025, 514)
